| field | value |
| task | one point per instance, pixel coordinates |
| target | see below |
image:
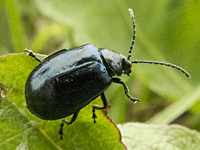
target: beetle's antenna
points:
(134, 31)
(164, 64)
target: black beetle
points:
(67, 80)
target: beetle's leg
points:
(30, 53)
(72, 120)
(61, 130)
(67, 122)
(105, 103)
(117, 80)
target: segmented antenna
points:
(164, 64)
(134, 31)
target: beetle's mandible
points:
(67, 80)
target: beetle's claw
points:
(61, 133)
(135, 100)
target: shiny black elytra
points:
(67, 80)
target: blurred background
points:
(166, 31)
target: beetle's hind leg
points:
(30, 53)
(105, 103)
(117, 80)
(68, 123)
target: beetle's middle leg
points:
(105, 103)
(117, 80)
(67, 122)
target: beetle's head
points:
(126, 65)
(116, 64)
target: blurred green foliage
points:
(167, 31)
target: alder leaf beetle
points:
(67, 80)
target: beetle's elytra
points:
(67, 80)
(65, 84)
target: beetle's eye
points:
(126, 65)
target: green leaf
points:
(140, 136)
(22, 130)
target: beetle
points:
(67, 80)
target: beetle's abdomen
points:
(64, 94)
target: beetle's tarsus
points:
(135, 100)
(61, 130)
(30, 53)
(105, 103)
(94, 116)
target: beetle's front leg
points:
(105, 103)
(117, 80)
(67, 122)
